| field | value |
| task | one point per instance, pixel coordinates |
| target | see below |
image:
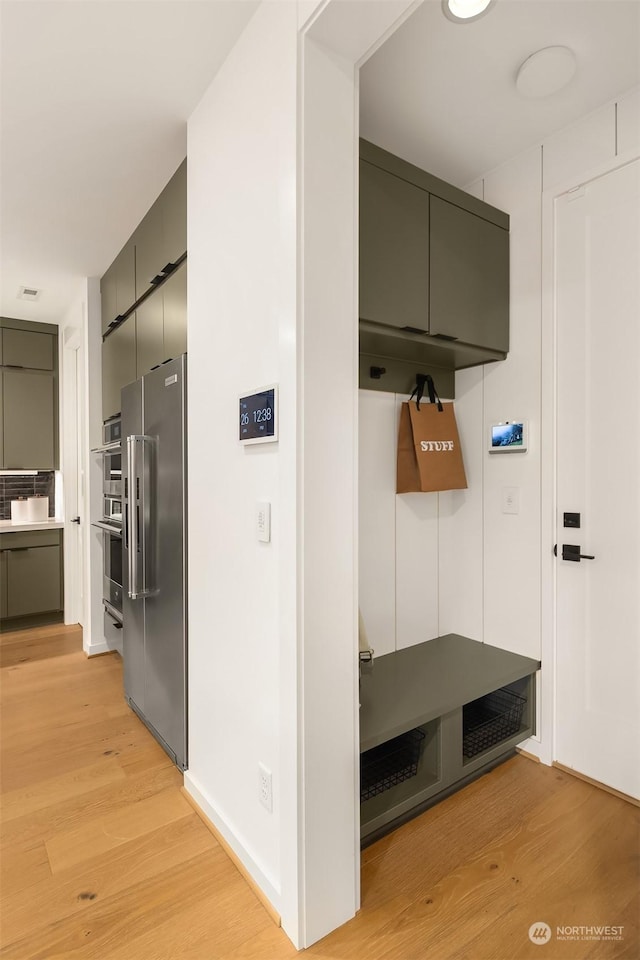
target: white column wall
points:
(242, 154)
(272, 214)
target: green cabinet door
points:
(469, 277)
(125, 267)
(149, 338)
(394, 250)
(149, 249)
(108, 297)
(118, 364)
(33, 580)
(174, 293)
(173, 200)
(29, 413)
(23, 348)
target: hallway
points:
(102, 857)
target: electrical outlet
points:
(265, 790)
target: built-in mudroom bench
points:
(432, 718)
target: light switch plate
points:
(511, 499)
(263, 521)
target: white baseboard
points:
(96, 649)
(260, 878)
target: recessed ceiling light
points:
(464, 11)
(28, 293)
(545, 72)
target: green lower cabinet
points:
(31, 573)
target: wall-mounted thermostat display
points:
(508, 437)
(259, 416)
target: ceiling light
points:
(546, 71)
(464, 11)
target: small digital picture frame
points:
(509, 436)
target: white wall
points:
(81, 328)
(242, 335)
(272, 214)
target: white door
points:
(597, 296)
(74, 482)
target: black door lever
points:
(571, 551)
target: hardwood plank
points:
(22, 866)
(72, 847)
(20, 803)
(103, 876)
(86, 809)
(136, 914)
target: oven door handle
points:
(107, 527)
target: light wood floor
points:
(103, 858)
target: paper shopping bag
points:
(429, 452)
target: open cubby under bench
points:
(432, 718)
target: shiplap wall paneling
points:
(416, 564)
(460, 520)
(377, 518)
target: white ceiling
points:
(96, 93)
(442, 95)
(94, 102)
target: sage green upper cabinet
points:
(28, 396)
(434, 263)
(394, 250)
(174, 296)
(118, 285)
(24, 348)
(29, 419)
(173, 200)
(161, 237)
(118, 364)
(469, 277)
(108, 297)
(149, 248)
(149, 339)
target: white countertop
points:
(13, 526)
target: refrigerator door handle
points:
(131, 505)
(138, 516)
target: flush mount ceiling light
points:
(464, 11)
(546, 72)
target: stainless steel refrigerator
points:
(154, 467)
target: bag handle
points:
(418, 390)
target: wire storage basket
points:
(490, 720)
(390, 763)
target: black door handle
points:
(571, 551)
(76, 520)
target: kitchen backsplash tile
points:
(12, 487)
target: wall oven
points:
(111, 520)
